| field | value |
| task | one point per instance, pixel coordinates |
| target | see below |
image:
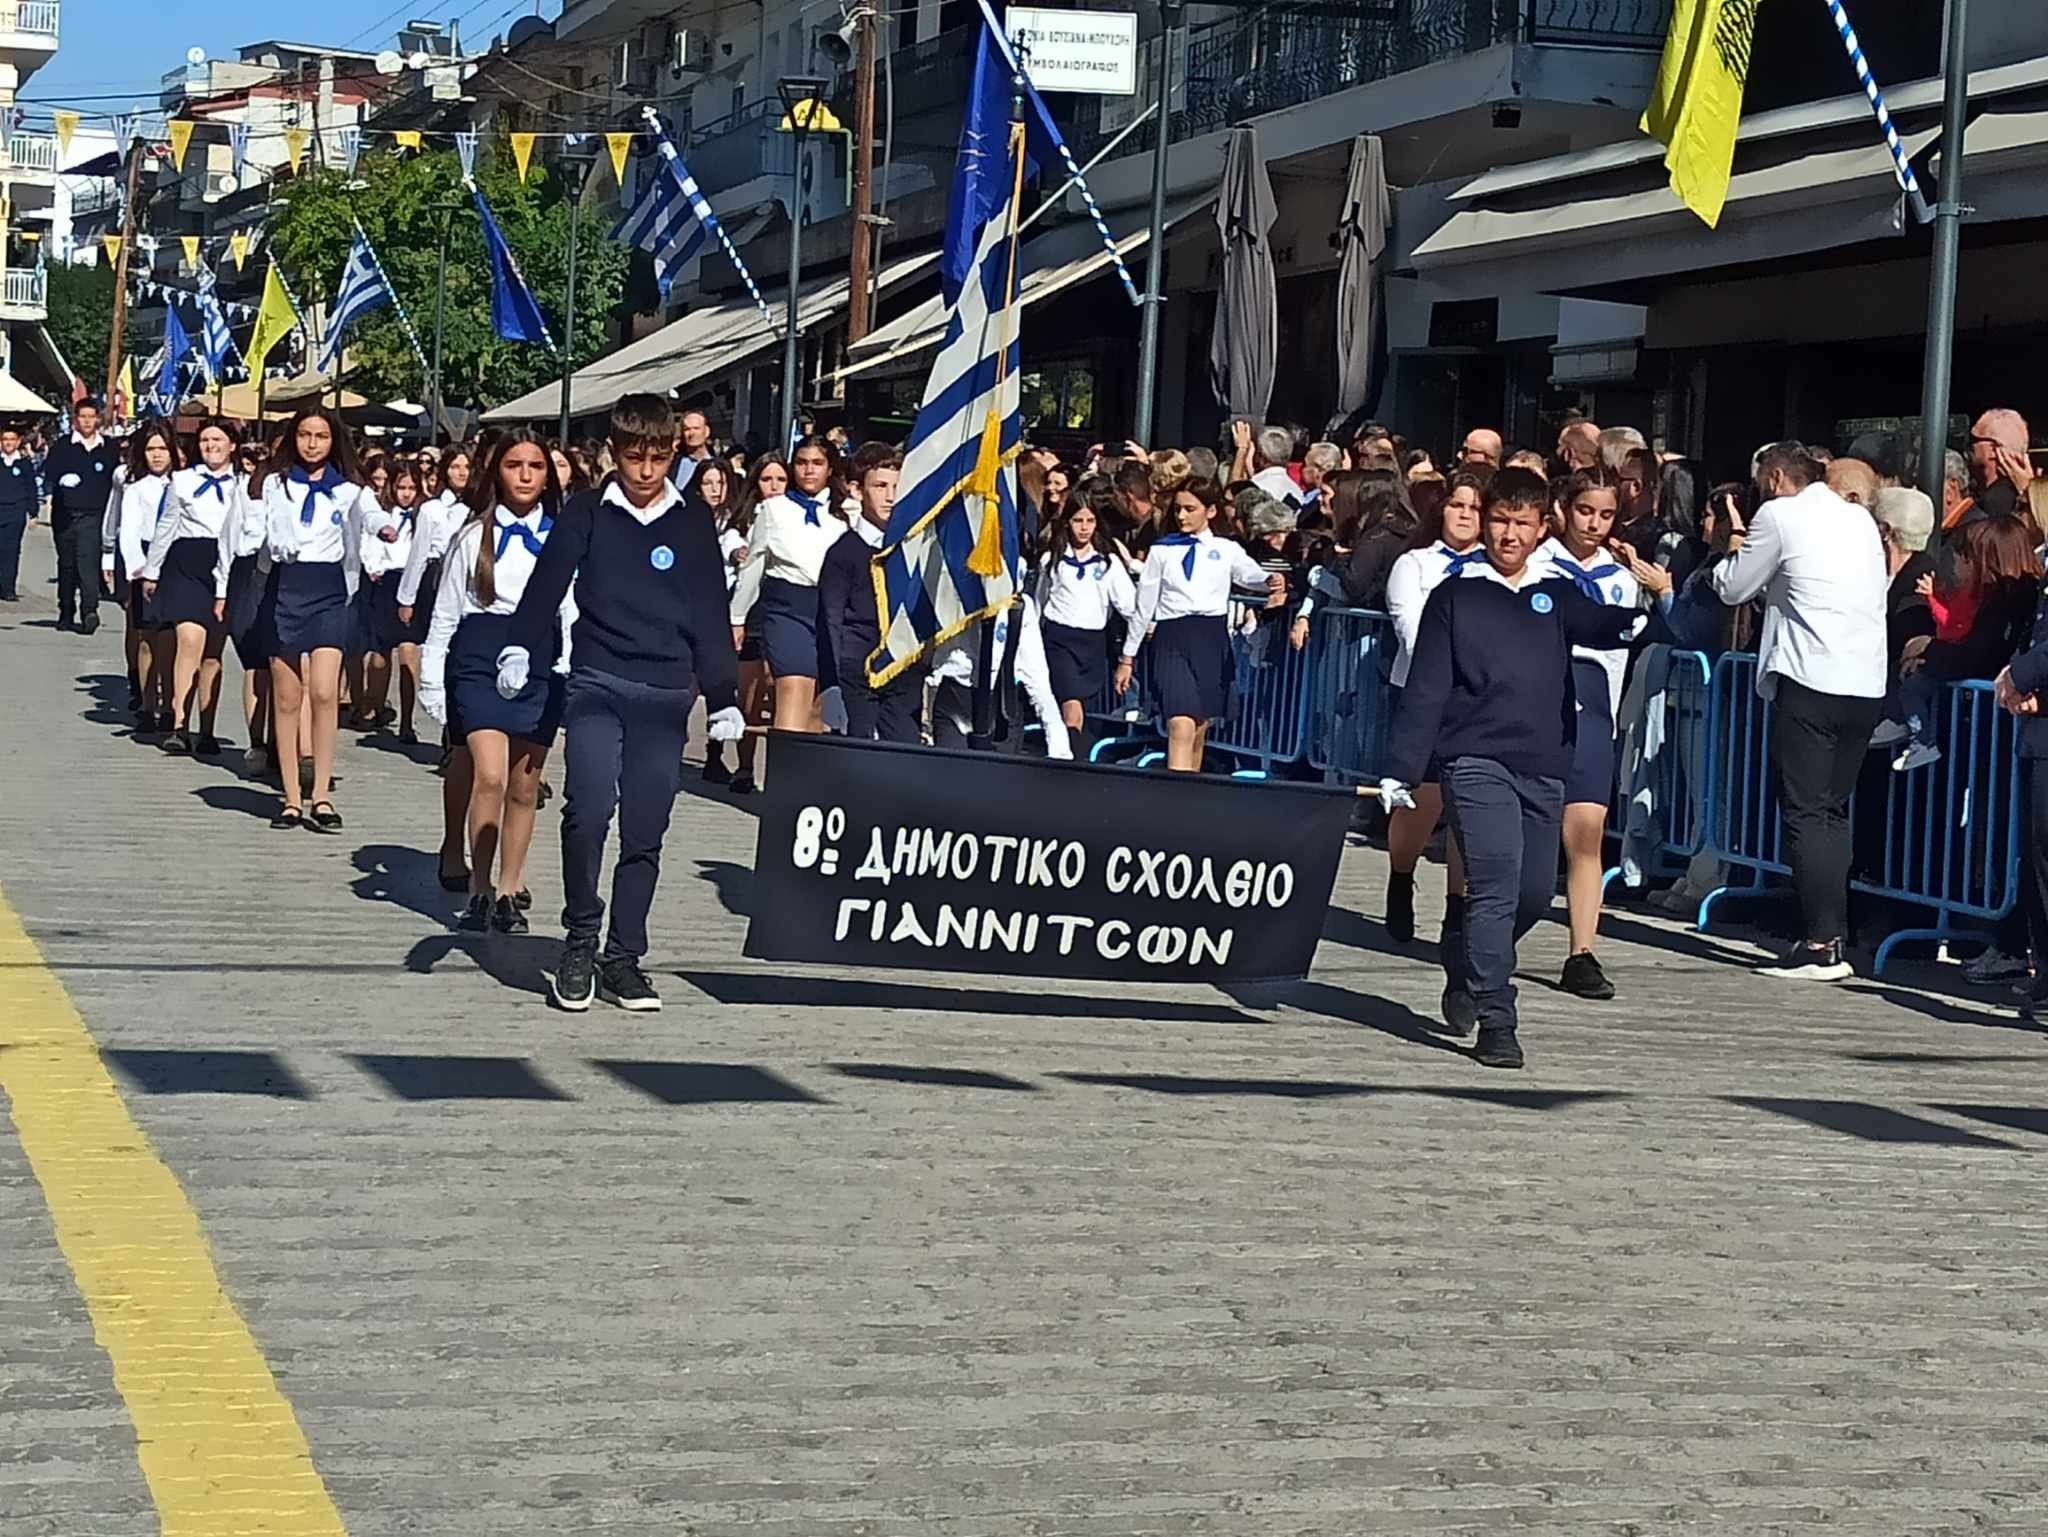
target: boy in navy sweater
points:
(849, 628)
(1490, 701)
(650, 635)
(18, 499)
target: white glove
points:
(726, 725)
(512, 665)
(435, 702)
(1395, 796)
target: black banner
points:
(909, 857)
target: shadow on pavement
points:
(2028, 1118)
(1342, 926)
(410, 878)
(848, 993)
(732, 883)
(245, 798)
(932, 1077)
(208, 1072)
(418, 1078)
(1867, 1123)
(1310, 1088)
(717, 795)
(1375, 1013)
(708, 1083)
(518, 962)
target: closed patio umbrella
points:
(1244, 351)
(1362, 233)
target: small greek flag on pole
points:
(672, 217)
(362, 290)
(218, 342)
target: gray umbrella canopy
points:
(1244, 351)
(1363, 235)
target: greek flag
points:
(950, 556)
(362, 289)
(217, 342)
(670, 220)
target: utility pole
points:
(434, 424)
(1941, 286)
(1170, 12)
(575, 178)
(116, 342)
(857, 278)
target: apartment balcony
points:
(24, 294)
(28, 24)
(28, 155)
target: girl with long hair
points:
(768, 479)
(1079, 587)
(444, 482)
(786, 550)
(185, 576)
(518, 497)
(138, 504)
(395, 639)
(315, 510)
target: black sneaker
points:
(506, 917)
(742, 783)
(1400, 907)
(177, 744)
(1497, 1047)
(621, 981)
(574, 983)
(1808, 962)
(476, 918)
(1583, 978)
(1460, 1014)
(523, 900)
(716, 770)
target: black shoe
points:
(208, 745)
(717, 771)
(523, 900)
(177, 743)
(1497, 1047)
(408, 738)
(459, 881)
(476, 918)
(742, 783)
(90, 629)
(574, 983)
(1583, 978)
(621, 981)
(1400, 907)
(288, 817)
(66, 624)
(506, 917)
(547, 792)
(1807, 962)
(1460, 1014)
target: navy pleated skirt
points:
(534, 714)
(1077, 659)
(1192, 666)
(184, 594)
(312, 608)
(1591, 781)
(252, 614)
(789, 628)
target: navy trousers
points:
(623, 750)
(78, 567)
(888, 714)
(12, 526)
(1507, 827)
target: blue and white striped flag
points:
(950, 556)
(217, 341)
(362, 289)
(672, 217)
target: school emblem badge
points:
(1540, 601)
(662, 557)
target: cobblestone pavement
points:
(867, 1254)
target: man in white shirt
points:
(694, 430)
(1818, 564)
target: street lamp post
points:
(447, 210)
(1155, 251)
(576, 163)
(802, 100)
(1938, 371)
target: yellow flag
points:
(274, 321)
(408, 138)
(67, 125)
(295, 147)
(191, 245)
(181, 140)
(620, 145)
(124, 390)
(112, 245)
(1696, 107)
(522, 152)
(238, 248)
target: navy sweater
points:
(1492, 677)
(93, 470)
(650, 601)
(846, 607)
(18, 488)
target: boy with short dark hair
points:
(650, 635)
(17, 506)
(849, 628)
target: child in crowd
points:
(180, 577)
(1079, 587)
(847, 620)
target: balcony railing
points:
(24, 288)
(738, 147)
(36, 18)
(29, 152)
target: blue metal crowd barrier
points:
(1658, 811)
(1349, 702)
(1267, 724)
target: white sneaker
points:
(1919, 755)
(1810, 963)
(1994, 965)
(1889, 732)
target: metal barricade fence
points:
(1348, 703)
(1659, 808)
(1270, 698)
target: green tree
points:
(395, 200)
(81, 319)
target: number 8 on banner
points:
(806, 850)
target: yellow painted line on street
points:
(220, 1448)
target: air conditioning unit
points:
(222, 184)
(689, 51)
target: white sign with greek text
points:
(1094, 53)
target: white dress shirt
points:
(440, 517)
(1606, 581)
(1819, 566)
(381, 556)
(731, 542)
(788, 542)
(1173, 586)
(456, 599)
(200, 503)
(955, 662)
(1410, 581)
(1081, 594)
(244, 532)
(329, 532)
(135, 510)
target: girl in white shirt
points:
(183, 576)
(242, 602)
(1079, 587)
(785, 551)
(1183, 600)
(314, 510)
(137, 506)
(769, 478)
(711, 488)
(397, 638)
(508, 739)
(1454, 550)
(445, 485)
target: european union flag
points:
(515, 316)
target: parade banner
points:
(921, 860)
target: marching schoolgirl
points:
(769, 478)
(711, 488)
(785, 551)
(137, 506)
(367, 666)
(1079, 587)
(245, 605)
(1453, 549)
(399, 638)
(1183, 603)
(181, 577)
(314, 511)
(651, 632)
(488, 566)
(1588, 502)
(440, 517)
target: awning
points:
(17, 399)
(701, 345)
(1585, 222)
(1052, 263)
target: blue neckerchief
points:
(810, 505)
(1082, 567)
(1586, 579)
(507, 532)
(409, 516)
(1454, 563)
(1194, 549)
(326, 485)
(210, 482)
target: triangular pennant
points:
(350, 141)
(408, 138)
(238, 248)
(124, 131)
(620, 145)
(295, 147)
(465, 151)
(191, 245)
(181, 140)
(67, 125)
(522, 152)
(238, 147)
(111, 244)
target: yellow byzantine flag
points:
(407, 138)
(522, 152)
(191, 245)
(181, 140)
(1696, 107)
(275, 320)
(295, 147)
(619, 145)
(112, 245)
(238, 247)
(67, 124)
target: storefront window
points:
(1058, 397)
